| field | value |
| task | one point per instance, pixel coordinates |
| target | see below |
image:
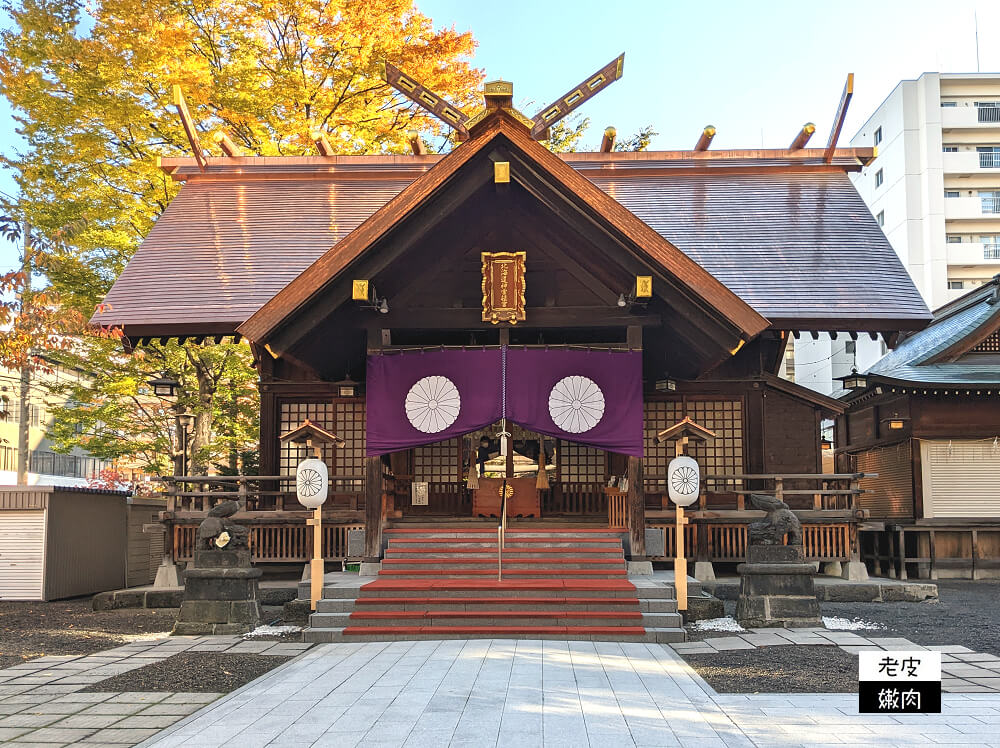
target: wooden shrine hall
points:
(694, 267)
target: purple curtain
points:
(590, 397)
(419, 397)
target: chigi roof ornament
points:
(499, 95)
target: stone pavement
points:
(41, 701)
(962, 669)
(532, 693)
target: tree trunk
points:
(204, 417)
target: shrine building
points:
(502, 313)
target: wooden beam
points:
(803, 137)
(425, 98)
(322, 144)
(608, 141)
(546, 316)
(705, 139)
(576, 96)
(189, 128)
(417, 144)
(838, 118)
(227, 145)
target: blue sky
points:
(757, 71)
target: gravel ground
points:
(201, 672)
(794, 669)
(32, 629)
(965, 614)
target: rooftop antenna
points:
(975, 18)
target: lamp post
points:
(312, 484)
(683, 488)
(185, 421)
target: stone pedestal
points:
(776, 588)
(220, 595)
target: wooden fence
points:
(727, 542)
(275, 543)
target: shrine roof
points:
(960, 347)
(785, 231)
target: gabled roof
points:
(785, 232)
(942, 353)
(500, 130)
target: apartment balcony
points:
(959, 208)
(970, 162)
(970, 117)
(974, 253)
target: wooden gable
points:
(421, 253)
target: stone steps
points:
(441, 583)
(555, 633)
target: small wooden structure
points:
(705, 261)
(48, 535)
(926, 419)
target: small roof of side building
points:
(960, 347)
(786, 232)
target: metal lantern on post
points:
(185, 421)
(312, 486)
(683, 488)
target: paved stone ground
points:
(529, 693)
(41, 701)
(962, 669)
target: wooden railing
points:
(617, 513)
(727, 541)
(801, 491)
(449, 498)
(275, 543)
(199, 493)
(575, 498)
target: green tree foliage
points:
(96, 111)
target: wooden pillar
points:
(636, 500)
(636, 509)
(373, 509)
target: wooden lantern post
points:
(314, 437)
(684, 490)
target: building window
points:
(878, 135)
(990, 200)
(949, 103)
(880, 218)
(956, 285)
(989, 156)
(951, 193)
(851, 347)
(949, 148)
(953, 239)
(878, 178)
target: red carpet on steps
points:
(558, 581)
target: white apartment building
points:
(934, 187)
(935, 184)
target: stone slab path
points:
(962, 669)
(41, 700)
(530, 693)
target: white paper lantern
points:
(311, 482)
(683, 480)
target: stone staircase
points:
(441, 583)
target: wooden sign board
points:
(419, 493)
(503, 287)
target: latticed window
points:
(724, 456)
(350, 426)
(580, 464)
(345, 418)
(438, 462)
(659, 415)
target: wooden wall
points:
(892, 493)
(145, 549)
(790, 435)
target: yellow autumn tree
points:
(91, 89)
